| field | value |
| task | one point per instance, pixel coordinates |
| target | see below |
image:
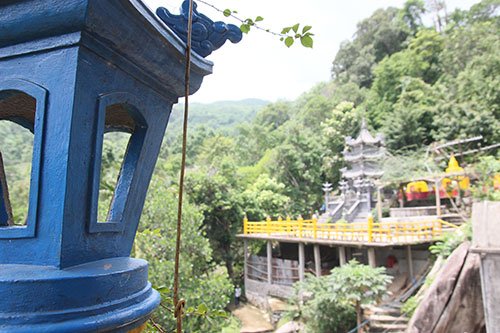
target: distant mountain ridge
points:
(217, 115)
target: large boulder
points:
(453, 303)
(464, 311)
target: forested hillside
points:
(411, 82)
(225, 115)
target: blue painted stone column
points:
(71, 70)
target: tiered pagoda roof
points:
(364, 137)
(362, 154)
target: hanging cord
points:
(179, 304)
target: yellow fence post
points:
(268, 225)
(245, 225)
(301, 221)
(288, 228)
(315, 227)
(370, 228)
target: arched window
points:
(22, 107)
(120, 136)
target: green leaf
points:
(227, 12)
(220, 313)
(307, 41)
(202, 309)
(259, 18)
(295, 28)
(289, 41)
(306, 29)
(286, 30)
(245, 28)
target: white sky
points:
(260, 66)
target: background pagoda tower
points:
(362, 156)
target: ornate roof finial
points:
(363, 124)
(453, 165)
(207, 36)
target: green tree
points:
(471, 103)
(274, 115)
(487, 168)
(420, 60)
(214, 187)
(359, 284)
(322, 311)
(411, 14)
(378, 36)
(336, 299)
(264, 198)
(202, 284)
(297, 164)
(411, 123)
(214, 191)
(344, 121)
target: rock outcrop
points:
(453, 303)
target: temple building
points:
(344, 232)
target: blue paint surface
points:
(65, 271)
(207, 35)
(4, 216)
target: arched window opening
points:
(17, 123)
(121, 143)
(114, 147)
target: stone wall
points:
(266, 289)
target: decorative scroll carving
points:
(207, 35)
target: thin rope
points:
(179, 304)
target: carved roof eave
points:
(365, 138)
(135, 36)
(361, 173)
(362, 156)
(207, 35)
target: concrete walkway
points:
(253, 320)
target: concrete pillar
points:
(348, 254)
(379, 204)
(269, 262)
(317, 259)
(302, 260)
(372, 261)
(437, 185)
(245, 258)
(342, 256)
(409, 259)
(486, 242)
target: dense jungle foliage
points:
(414, 83)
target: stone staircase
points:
(453, 218)
(362, 216)
(386, 318)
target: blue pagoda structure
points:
(72, 70)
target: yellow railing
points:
(370, 231)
